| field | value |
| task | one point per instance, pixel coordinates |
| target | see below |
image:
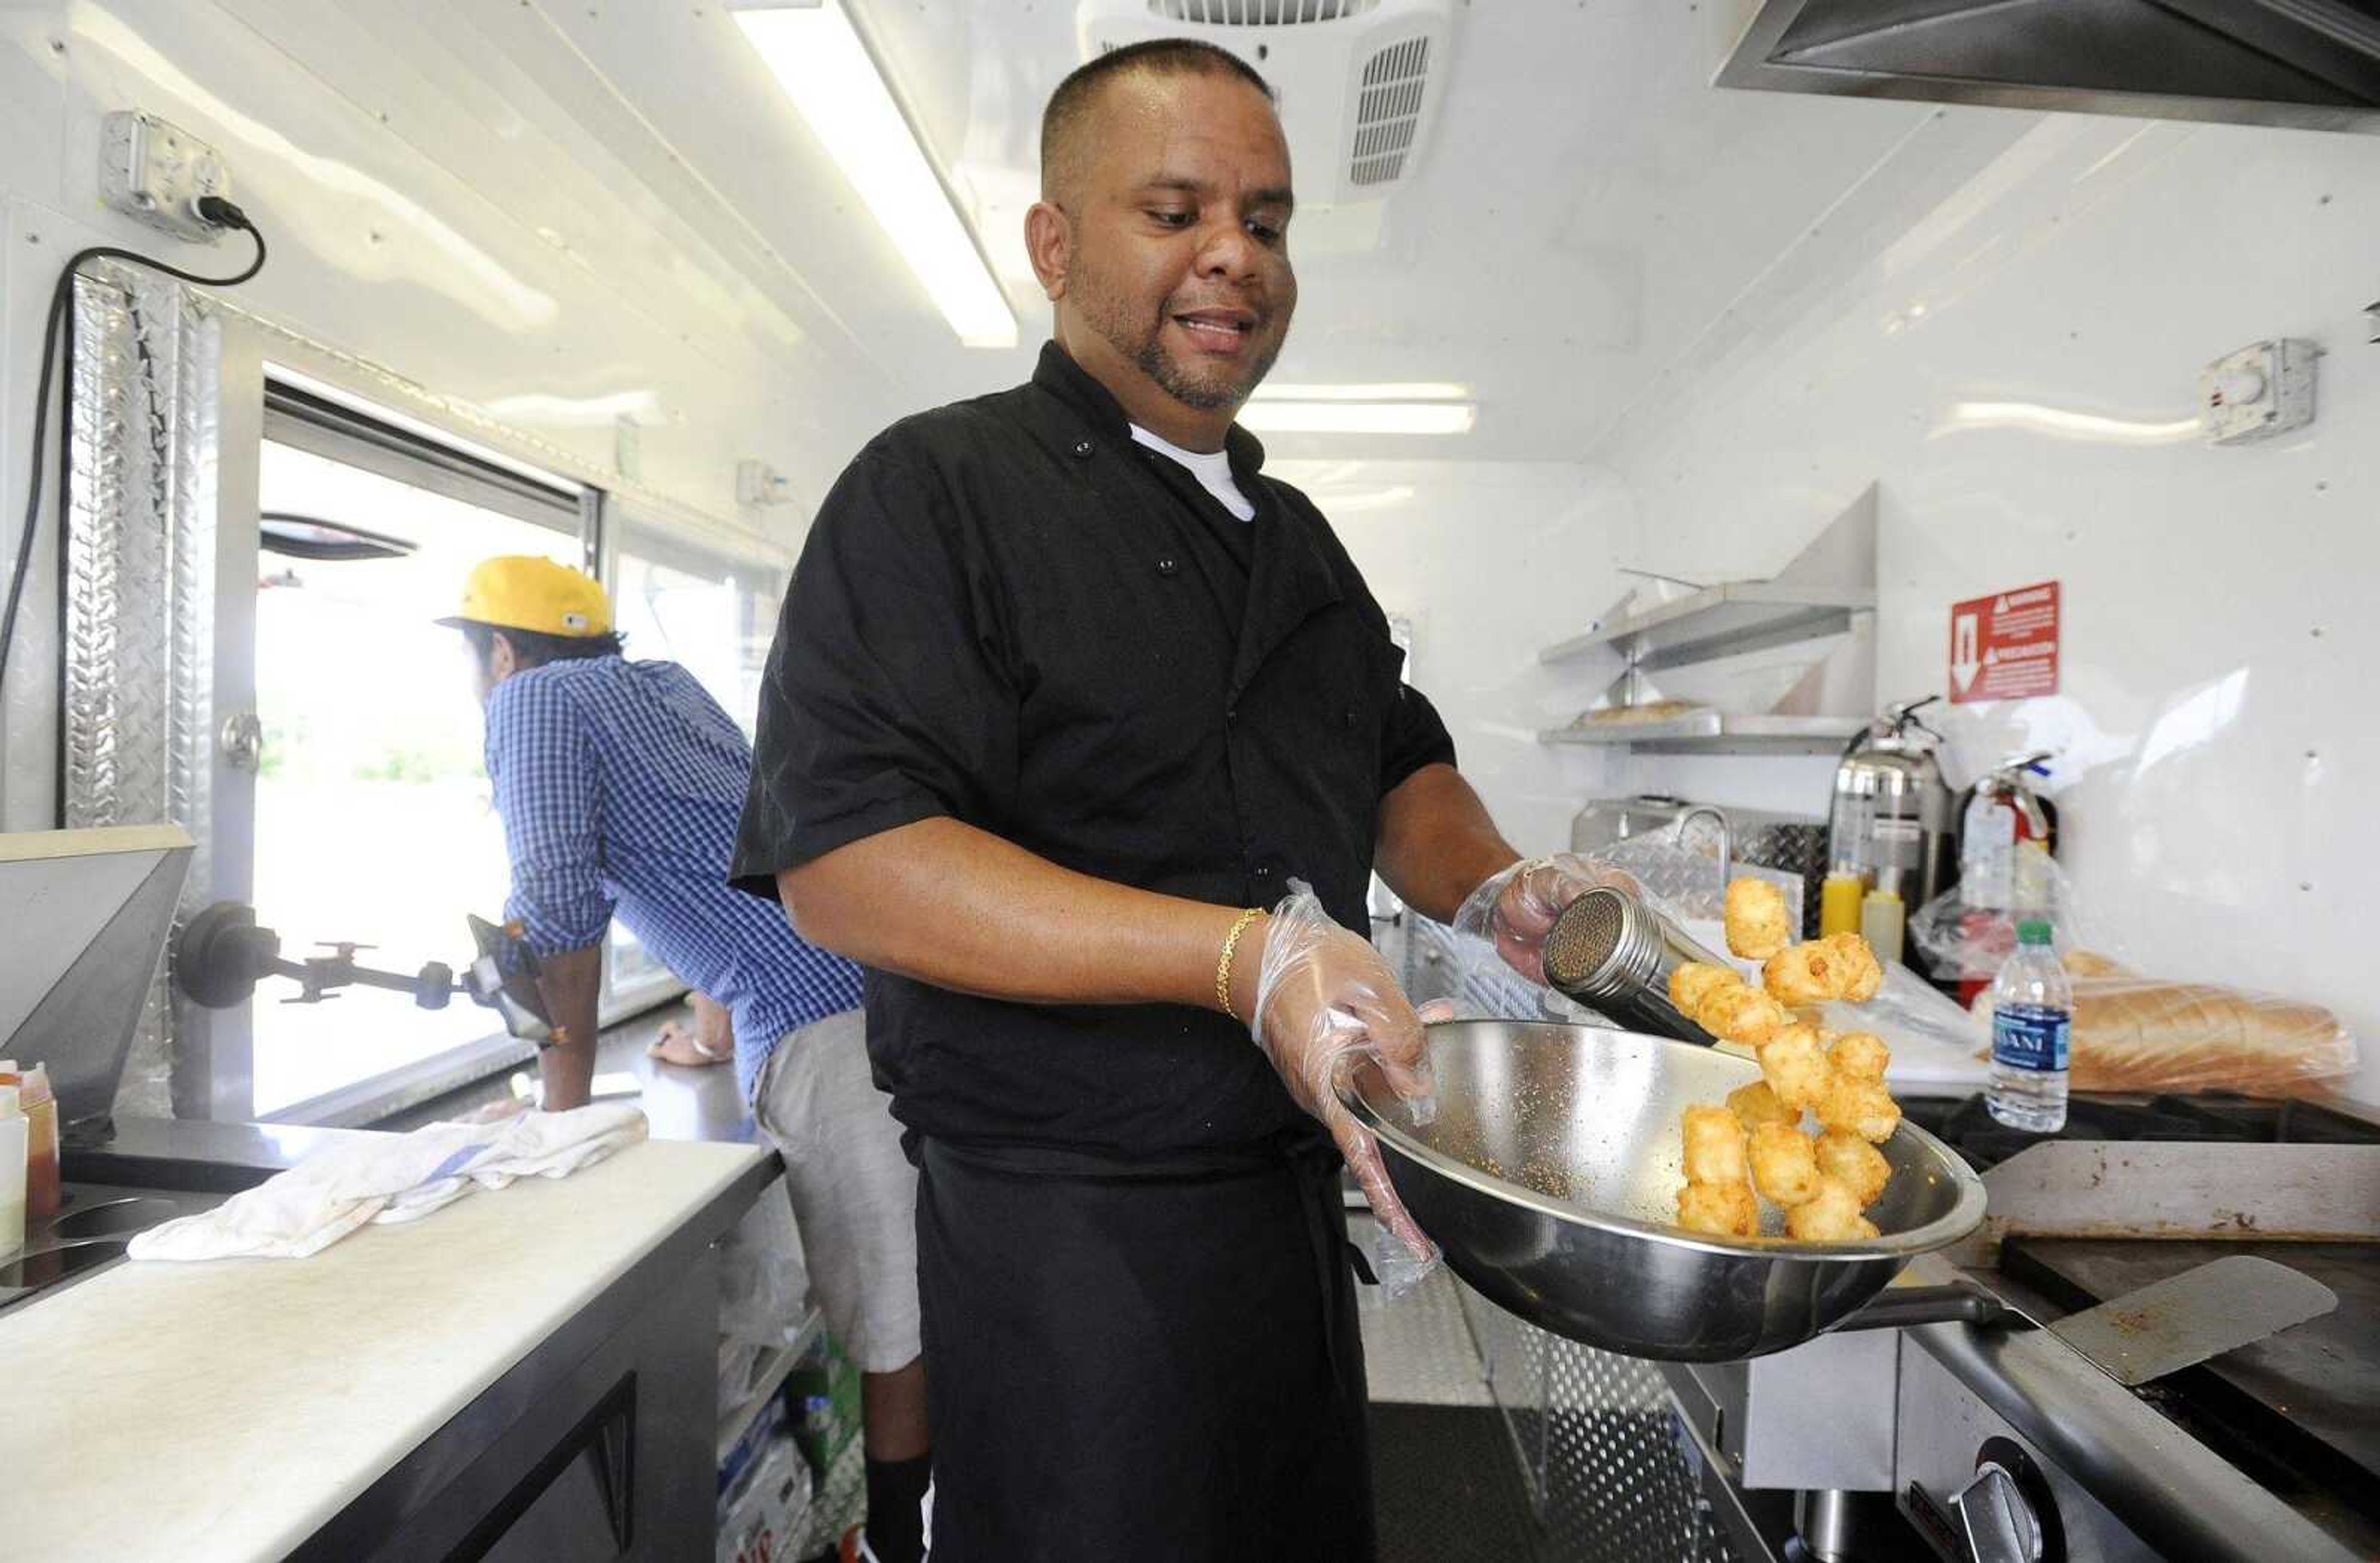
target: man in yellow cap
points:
(620, 784)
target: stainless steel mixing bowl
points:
(1549, 1175)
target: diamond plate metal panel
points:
(1440, 964)
(1417, 1349)
(140, 504)
(1597, 1446)
(1594, 1432)
(1618, 1486)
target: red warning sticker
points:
(2005, 646)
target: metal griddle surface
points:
(2322, 1376)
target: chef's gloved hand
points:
(1325, 1000)
(1513, 910)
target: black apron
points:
(1159, 1365)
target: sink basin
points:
(107, 1216)
(92, 1231)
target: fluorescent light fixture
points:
(2062, 423)
(1270, 417)
(825, 67)
(1414, 391)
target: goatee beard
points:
(1161, 367)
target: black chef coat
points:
(1010, 614)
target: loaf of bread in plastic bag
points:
(2142, 1034)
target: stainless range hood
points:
(2311, 64)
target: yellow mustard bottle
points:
(1839, 904)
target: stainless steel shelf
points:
(1721, 620)
(1718, 733)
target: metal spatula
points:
(2182, 1320)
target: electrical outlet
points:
(2258, 392)
(158, 173)
(757, 483)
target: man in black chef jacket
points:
(1064, 691)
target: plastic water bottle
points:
(2032, 1014)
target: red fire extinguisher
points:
(2000, 817)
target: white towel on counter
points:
(391, 1178)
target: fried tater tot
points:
(1863, 1106)
(1795, 1069)
(1693, 983)
(1714, 1146)
(1739, 1013)
(1719, 1209)
(1756, 1104)
(1859, 1055)
(1757, 922)
(1800, 974)
(1784, 1163)
(1854, 1163)
(1842, 967)
(1832, 1215)
(1858, 975)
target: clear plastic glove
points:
(1515, 909)
(1324, 1001)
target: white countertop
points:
(227, 1410)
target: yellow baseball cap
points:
(523, 591)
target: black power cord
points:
(216, 211)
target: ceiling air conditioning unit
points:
(1360, 81)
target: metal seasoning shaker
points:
(1614, 954)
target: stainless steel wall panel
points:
(1610, 1473)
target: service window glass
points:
(373, 820)
(710, 613)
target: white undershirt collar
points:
(1212, 469)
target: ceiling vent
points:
(1258, 13)
(1388, 112)
(1359, 81)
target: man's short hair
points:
(1070, 103)
(531, 649)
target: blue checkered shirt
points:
(620, 784)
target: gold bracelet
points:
(1224, 967)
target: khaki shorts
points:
(855, 1195)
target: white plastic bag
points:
(1973, 942)
(763, 1283)
(1933, 1040)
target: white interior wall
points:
(1491, 561)
(2016, 364)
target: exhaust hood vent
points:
(1258, 13)
(2311, 64)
